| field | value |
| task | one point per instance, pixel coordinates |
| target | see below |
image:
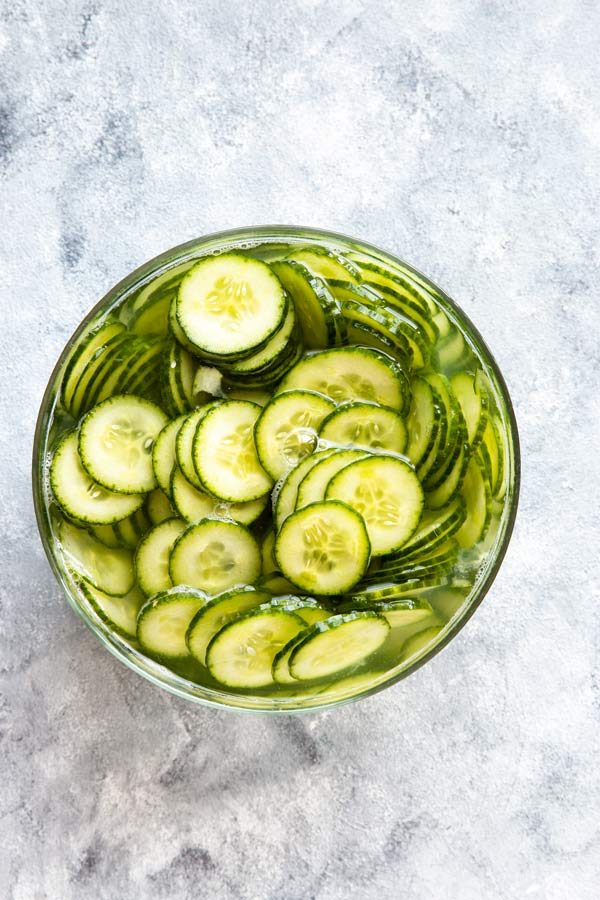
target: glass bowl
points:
(346, 689)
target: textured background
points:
(465, 136)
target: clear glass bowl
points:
(347, 689)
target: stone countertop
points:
(465, 137)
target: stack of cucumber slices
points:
(268, 464)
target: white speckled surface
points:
(465, 136)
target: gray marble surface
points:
(465, 136)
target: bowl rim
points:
(162, 676)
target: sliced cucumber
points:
(152, 556)
(313, 486)
(420, 641)
(184, 442)
(445, 491)
(392, 325)
(423, 420)
(399, 613)
(152, 318)
(317, 310)
(272, 352)
(81, 356)
(193, 505)
(241, 654)
(225, 455)
(348, 373)
(164, 452)
(119, 613)
(80, 402)
(230, 304)
(127, 533)
(286, 430)
(367, 425)
(338, 644)
(115, 443)
(323, 548)
(107, 569)
(159, 507)
(473, 401)
(267, 553)
(280, 669)
(476, 493)
(79, 495)
(326, 263)
(164, 620)
(107, 535)
(286, 491)
(435, 527)
(387, 494)
(217, 613)
(214, 556)
(399, 282)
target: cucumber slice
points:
(393, 326)
(338, 644)
(313, 486)
(306, 607)
(401, 301)
(275, 583)
(273, 351)
(317, 310)
(122, 364)
(225, 455)
(214, 556)
(261, 398)
(230, 304)
(159, 507)
(152, 319)
(473, 401)
(79, 495)
(80, 402)
(286, 430)
(217, 613)
(365, 336)
(348, 373)
(241, 654)
(115, 355)
(280, 669)
(451, 351)
(184, 442)
(115, 443)
(387, 494)
(152, 556)
(420, 641)
(323, 548)
(286, 492)
(435, 527)
(399, 613)
(477, 495)
(326, 263)
(127, 533)
(267, 553)
(119, 613)
(82, 353)
(493, 447)
(164, 620)
(449, 487)
(164, 451)
(423, 421)
(394, 281)
(108, 570)
(193, 505)
(387, 591)
(107, 535)
(367, 425)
